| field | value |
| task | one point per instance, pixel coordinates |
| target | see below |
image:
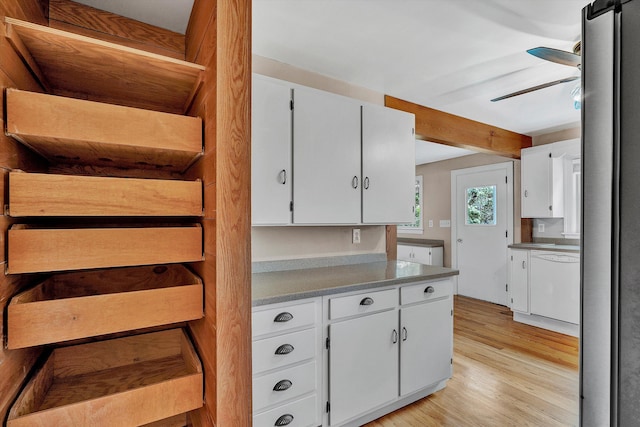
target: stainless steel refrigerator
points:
(610, 324)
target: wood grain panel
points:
(33, 194)
(106, 72)
(526, 230)
(42, 250)
(79, 305)
(444, 128)
(201, 21)
(121, 29)
(392, 242)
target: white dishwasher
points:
(555, 285)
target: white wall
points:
(279, 243)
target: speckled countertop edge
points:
(546, 247)
(283, 286)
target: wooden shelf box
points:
(99, 302)
(32, 249)
(33, 194)
(82, 67)
(121, 382)
(67, 130)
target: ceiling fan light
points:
(576, 94)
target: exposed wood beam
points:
(444, 128)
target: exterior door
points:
(482, 208)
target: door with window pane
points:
(482, 232)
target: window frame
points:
(413, 228)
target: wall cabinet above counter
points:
(324, 159)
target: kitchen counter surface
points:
(281, 286)
(546, 247)
(430, 243)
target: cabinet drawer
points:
(283, 318)
(292, 382)
(297, 346)
(425, 291)
(302, 413)
(369, 302)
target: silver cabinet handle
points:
(284, 349)
(524, 266)
(365, 184)
(405, 334)
(282, 385)
(354, 182)
(283, 177)
(459, 240)
(284, 420)
(285, 316)
(394, 336)
(429, 290)
(366, 301)
(526, 193)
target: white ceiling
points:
(452, 55)
(429, 152)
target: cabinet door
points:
(270, 152)
(426, 344)
(363, 364)
(519, 280)
(326, 155)
(422, 255)
(388, 165)
(405, 253)
(536, 175)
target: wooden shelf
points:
(32, 194)
(67, 130)
(70, 64)
(85, 304)
(32, 249)
(125, 382)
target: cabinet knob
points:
(405, 334)
(284, 349)
(365, 184)
(429, 290)
(285, 316)
(366, 301)
(284, 420)
(354, 182)
(283, 176)
(282, 385)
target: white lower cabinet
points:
(421, 254)
(363, 364)
(518, 276)
(386, 349)
(287, 364)
(426, 350)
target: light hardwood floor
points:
(504, 374)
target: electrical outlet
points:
(430, 223)
(355, 238)
(541, 228)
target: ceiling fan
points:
(571, 59)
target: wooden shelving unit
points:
(34, 194)
(86, 304)
(74, 65)
(110, 113)
(125, 382)
(67, 130)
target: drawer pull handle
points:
(429, 290)
(282, 385)
(284, 349)
(283, 317)
(366, 301)
(284, 420)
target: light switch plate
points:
(430, 223)
(355, 238)
(445, 223)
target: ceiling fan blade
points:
(531, 89)
(556, 55)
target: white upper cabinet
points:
(388, 165)
(270, 152)
(326, 158)
(543, 178)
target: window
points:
(481, 205)
(416, 225)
